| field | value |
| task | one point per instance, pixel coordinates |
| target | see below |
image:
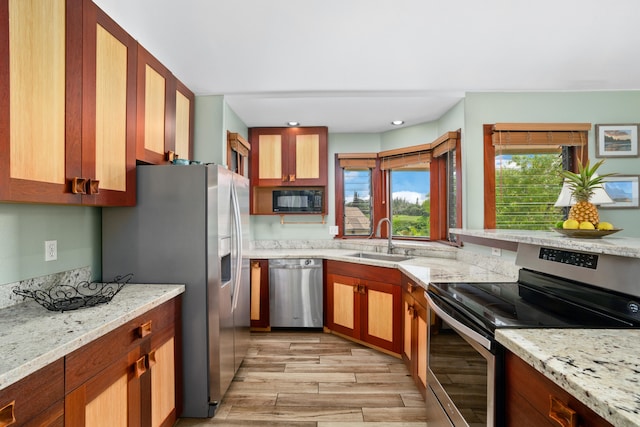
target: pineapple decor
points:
(583, 185)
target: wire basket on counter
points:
(73, 297)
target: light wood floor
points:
(313, 379)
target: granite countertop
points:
(600, 367)
(31, 337)
(422, 269)
(611, 245)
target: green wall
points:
(24, 229)
(580, 107)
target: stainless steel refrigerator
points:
(190, 226)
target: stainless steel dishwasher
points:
(295, 293)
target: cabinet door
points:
(156, 99)
(269, 161)
(109, 111)
(420, 363)
(382, 315)
(183, 122)
(307, 151)
(111, 398)
(260, 294)
(407, 328)
(343, 305)
(41, 102)
(163, 384)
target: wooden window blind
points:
(418, 156)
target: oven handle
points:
(483, 341)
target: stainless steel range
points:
(556, 288)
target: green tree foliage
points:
(410, 219)
(526, 192)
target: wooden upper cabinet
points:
(156, 97)
(109, 109)
(67, 79)
(41, 145)
(165, 113)
(288, 156)
(183, 128)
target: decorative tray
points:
(73, 297)
(585, 234)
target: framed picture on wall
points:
(617, 140)
(623, 189)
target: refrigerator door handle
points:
(238, 237)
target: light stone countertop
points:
(611, 245)
(600, 367)
(422, 269)
(32, 337)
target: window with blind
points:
(399, 184)
(522, 172)
(356, 204)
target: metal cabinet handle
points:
(284, 178)
(561, 413)
(140, 367)
(7, 414)
(144, 329)
(292, 178)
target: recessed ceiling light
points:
(293, 123)
(397, 122)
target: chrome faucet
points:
(389, 244)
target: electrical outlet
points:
(50, 250)
(333, 230)
(496, 251)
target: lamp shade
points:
(600, 196)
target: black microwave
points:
(298, 201)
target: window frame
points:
(440, 149)
(575, 154)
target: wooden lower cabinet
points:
(37, 400)
(414, 331)
(532, 400)
(364, 302)
(127, 377)
(260, 294)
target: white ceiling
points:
(355, 65)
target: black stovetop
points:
(539, 300)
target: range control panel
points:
(614, 272)
(569, 257)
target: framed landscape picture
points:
(617, 140)
(623, 189)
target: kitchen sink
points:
(380, 257)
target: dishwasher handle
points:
(295, 264)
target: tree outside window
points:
(410, 207)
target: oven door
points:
(461, 370)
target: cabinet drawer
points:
(364, 272)
(89, 360)
(528, 394)
(36, 399)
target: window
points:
(237, 153)
(410, 207)
(415, 187)
(527, 186)
(522, 171)
(357, 202)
